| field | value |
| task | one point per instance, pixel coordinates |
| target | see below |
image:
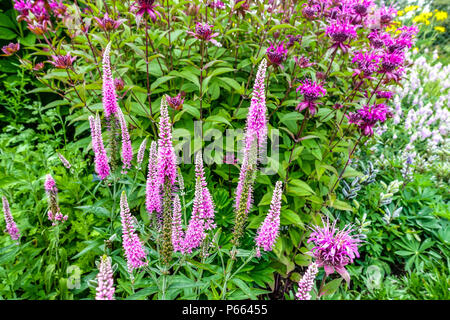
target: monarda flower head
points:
(176, 102)
(147, 7)
(277, 55)
(268, 232)
(377, 38)
(391, 61)
(127, 151)
(311, 91)
(134, 250)
(10, 49)
(303, 62)
(386, 15)
(105, 282)
(109, 99)
(333, 248)
(203, 31)
(152, 191)
(306, 283)
(11, 227)
(310, 11)
(361, 7)
(368, 63)
(368, 116)
(108, 24)
(101, 159)
(340, 32)
(63, 62)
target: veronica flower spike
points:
(268, 232)
(11, 227)
(109, 100)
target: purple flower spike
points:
(268, 231)
(105, 282)
(152, 191)
(167, 171)
(127, 151)
(101, 159)
(109, 100)
(134, 250)
(141, 153)
(11, 226)
(177, 230)
(306, 284)
(333, 248)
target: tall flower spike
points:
(167, 171)
(268, 232)
(109, 100)
(306, 284)
(208, 205)
(64, 161)
(152, 192)
(127, 150)
(134, 250)
(105, 282)
(256, 126)
(177, 231)
(54, 213)
(141, 153)
(11, 227)
(195, 233)
(101, 159)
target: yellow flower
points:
(440, 29)
(411, 8)
(400, 13)
(441, 15)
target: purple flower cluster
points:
(37, 13)
(176, 102)
(368, 116)
(368, 63)
(311, 91)
(340, 31)
(277, 55)
(268, 232)
(333, 248)
(11, 226)
(108, 24)
(203, 31)
(63, 61)
(167, 171)
(306, 283)
(101, 159)
(147, 7)
(10, 49)
(134, 250)
(105, 282)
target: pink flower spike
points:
(141, 153)
(306, 284)
(177, 230)
(127, 150)
(101, 159)
(11, 226)
(167, 171)
(105, 282)
(134, 250)
(268, 232)
(152, 191)
(109, 99)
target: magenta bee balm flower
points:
(311, 91)
(203, 31)
(63, 62)
(333, 248)
(340, 32)
(277, 55)
(368, 116)
(108, 24)
(147, 7)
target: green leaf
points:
(219, 119)
(341, 205)
(281, 26)
(331, 287)
(7, 34)
(245, 288)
